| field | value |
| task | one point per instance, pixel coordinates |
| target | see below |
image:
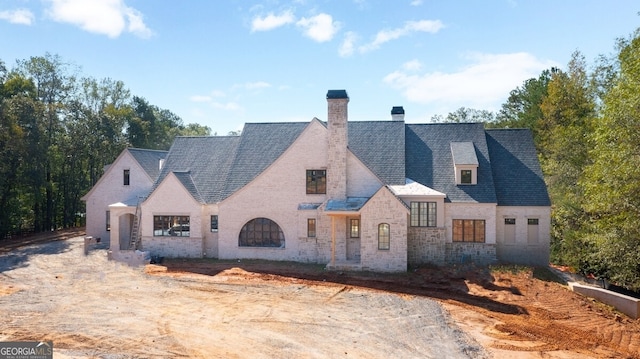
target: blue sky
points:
(226, 62)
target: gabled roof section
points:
(149, 160)
(188, 183)
(429, 160)
(516, 170)
(213, 168)
(380, 145)
(260, 145)
(464, 153)
(207, 161)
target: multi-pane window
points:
(354, 228)
(384, 236)
(469, 230)
(423, 214)
(316, 181)
(108, 222)
(465, 176)
(171, 226)
(261, 232)
(311, 227)
(214, 223)
(126, 174)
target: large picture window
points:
(469, 230)
(316, 181)
(261, 232)
(384, 236)
(423, 214)
(171, 226)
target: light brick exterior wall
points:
(172, 199)
(384, 207)
(276, 194)
(480, 253)
(523, 251)
(110, 189)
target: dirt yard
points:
(90, 307)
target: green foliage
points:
(57, 133)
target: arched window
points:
(261, 232)
(384, 236)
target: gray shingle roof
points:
(464, 153)
(213, 168)
(207, 161)
(149, 160)
(380, 146)
(219, 166)
(516, 170)
(429, 160)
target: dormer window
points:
(465, 163)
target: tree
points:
(612, 181)
(522, 109)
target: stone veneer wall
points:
(426, 245)
(479, 253)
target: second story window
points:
(126, 177)
(316, 181)
(423, 214)
(465, 176)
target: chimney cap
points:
(397, 110)
(335, 94)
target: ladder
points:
(135, 234)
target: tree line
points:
(58, 130)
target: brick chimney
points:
(397, 113)
(337, 101)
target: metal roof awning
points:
(349, 206)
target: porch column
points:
(333, 240)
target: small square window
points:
(316, 181)
(465, 176)
(509, 221)
(532, 221)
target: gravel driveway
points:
(91, 307)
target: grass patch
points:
(510, 268)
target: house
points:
(370, 195)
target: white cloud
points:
(416, 2)
(19, 16)
(108, 17)
(320, 28)
(483, 84)
(384, 36)
(413, 65)
(348, 44)
(272, 21)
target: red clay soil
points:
(513, 312)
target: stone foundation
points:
(464, 252)
(426, 245)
